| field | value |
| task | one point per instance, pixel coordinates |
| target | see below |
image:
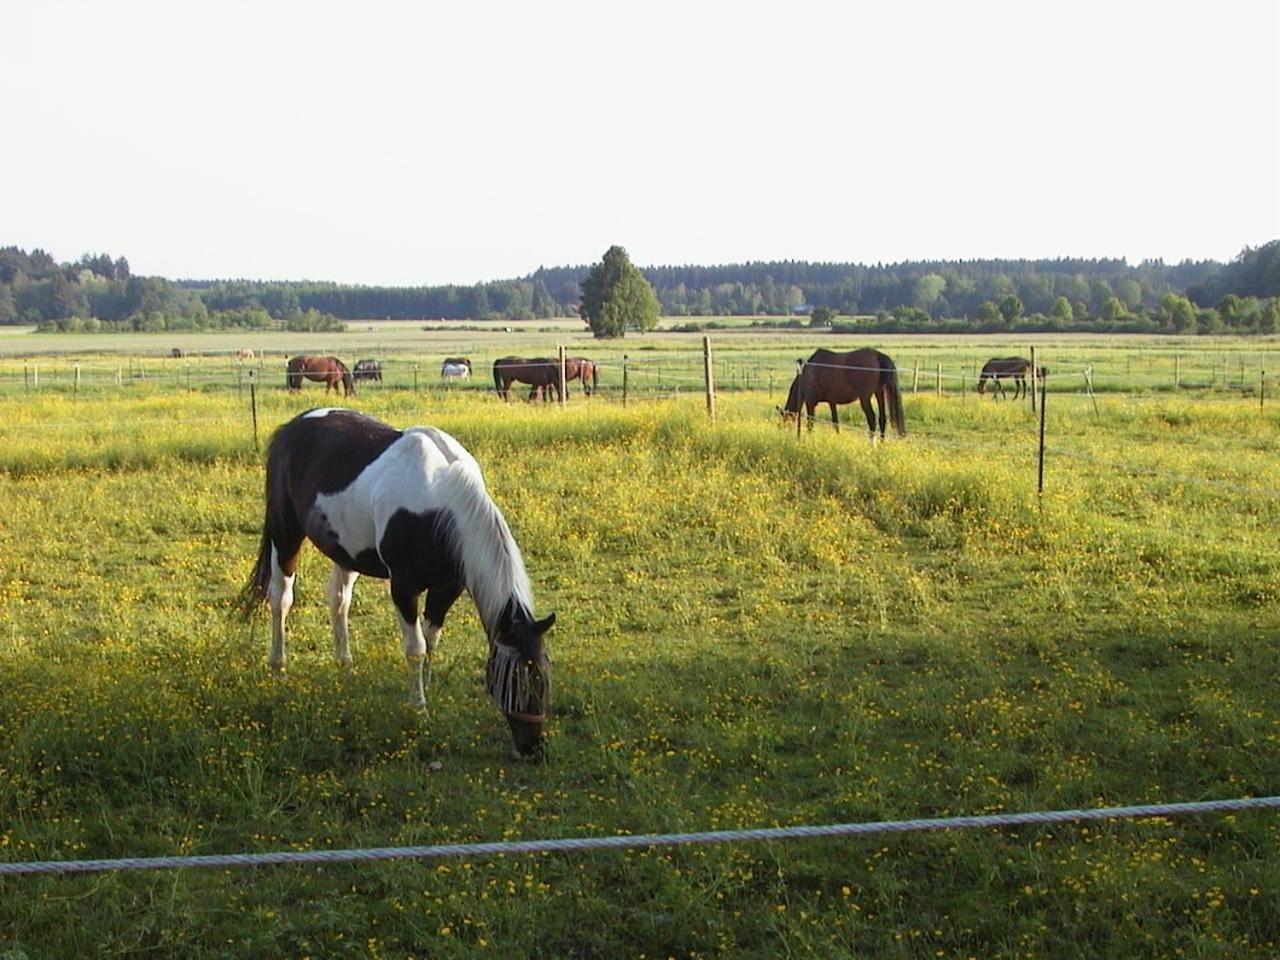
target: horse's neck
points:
(493, 567)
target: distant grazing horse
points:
(177, 353)
(455, 368)
(575, 368)
(1000, 368)
(367, 370)
(580, 368)
(244, 353)
(327, 370)
(834, 378)
(540, 373)
(409, 506)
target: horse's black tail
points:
(348, 384)
(889, 379)
(497, 382)
(595, 378)
(250, 599)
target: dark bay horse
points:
(543, 374)
(539, 373)
(409, 506)
(835, 378)
(327, 370)
(367, 370)
(1001, 368)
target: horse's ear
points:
(542, 626)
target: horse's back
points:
(836, 377)
(1005, 366)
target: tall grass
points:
(753, 629)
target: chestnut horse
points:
(999, 368)
(580, 368)
(327, 370)
(833, 378)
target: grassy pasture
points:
(753, 630)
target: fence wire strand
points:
(634, 841)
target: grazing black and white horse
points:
(409, 506)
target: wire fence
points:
(1146, 371)
(572, 845)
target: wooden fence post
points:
(1262, 389)
(915, 378)
(564, 384)
(253, 407)
(1032, 391)
(939, 383)
(1177, 371)
(75, 389)
(624, 379)
(1044, 385)
(708, 372)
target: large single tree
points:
(616, 297)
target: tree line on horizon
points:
(98, 292)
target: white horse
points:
(409, 506)
(456, 368)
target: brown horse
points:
(580, 368)
(575, 368)
(540, 373)
(327, 370)
(834, 378)
(1000, 368)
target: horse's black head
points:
(518, 678)
(792, 407)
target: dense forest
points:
(98, 292)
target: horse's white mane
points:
(492, 565)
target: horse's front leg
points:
(341, 582)
(835, 416)
(439, 599)
(869, 412)
(415, 644)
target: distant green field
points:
(658, 363)
(754, 629)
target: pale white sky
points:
(419, 142)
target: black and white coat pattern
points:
(409, 506)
